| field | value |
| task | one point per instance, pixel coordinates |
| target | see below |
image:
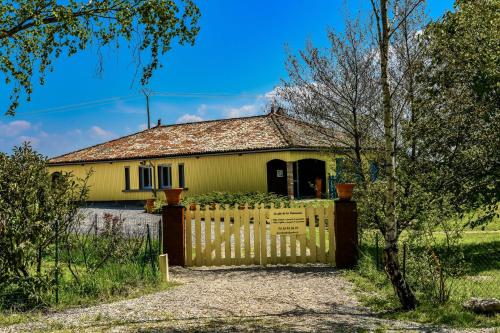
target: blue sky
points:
(238, 58)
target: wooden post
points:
(174, 238)
(163, 263)
(346, 234)
(289, 179)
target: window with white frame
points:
(164, 176)
(145, 177)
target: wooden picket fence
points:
(227, 235)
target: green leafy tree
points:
(31, 202)
(35, 32)
(457, 125)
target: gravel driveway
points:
(277, 299)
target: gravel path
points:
(276, 299)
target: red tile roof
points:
(267, 132)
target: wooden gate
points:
(241, 235)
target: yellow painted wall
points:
(233, 173)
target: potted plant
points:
(344, 187)
(173, 196)
(344, 190)
(150, 204)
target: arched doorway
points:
(311, 176)
(276, 177)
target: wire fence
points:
(141, 235)
(92, 243)
(468, 268)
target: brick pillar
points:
(346, 234)
(174, 234)
(289, 179)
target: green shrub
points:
(34, 205)
(231, 199)
(237, 198)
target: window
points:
(145, 177)
(339, 165)
(182, 183)
(373, 171)
(164, 176)
(127, 178)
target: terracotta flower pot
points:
(150, 204)
(344, 190)
(173, 196)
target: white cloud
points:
(188, 118)
(97, 132)
(32, 140)
(251, 108)
(14, 128)
(202, 109)
(268, 96)
(242, 111)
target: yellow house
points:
(268, 153)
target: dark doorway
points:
(276, 177)
(310, 173)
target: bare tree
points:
(336, 87)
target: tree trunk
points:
(391, 261)
(402, 289)
(39, 260)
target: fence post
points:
(150, 242)
(57, 260)
(174, 234)
(346, 234)
(159, 237)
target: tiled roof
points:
(266, 132)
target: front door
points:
(276, 177)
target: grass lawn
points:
(481, 279)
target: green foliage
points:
(102, 261)
(236, 198)
(31, 201)
(35, 32)
(458, 120)
(231, 199)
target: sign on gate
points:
(288, 221)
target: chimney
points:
(277, 109)
(159, 122)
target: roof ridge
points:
(301, 121)
(214, 120)
(280, 129)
